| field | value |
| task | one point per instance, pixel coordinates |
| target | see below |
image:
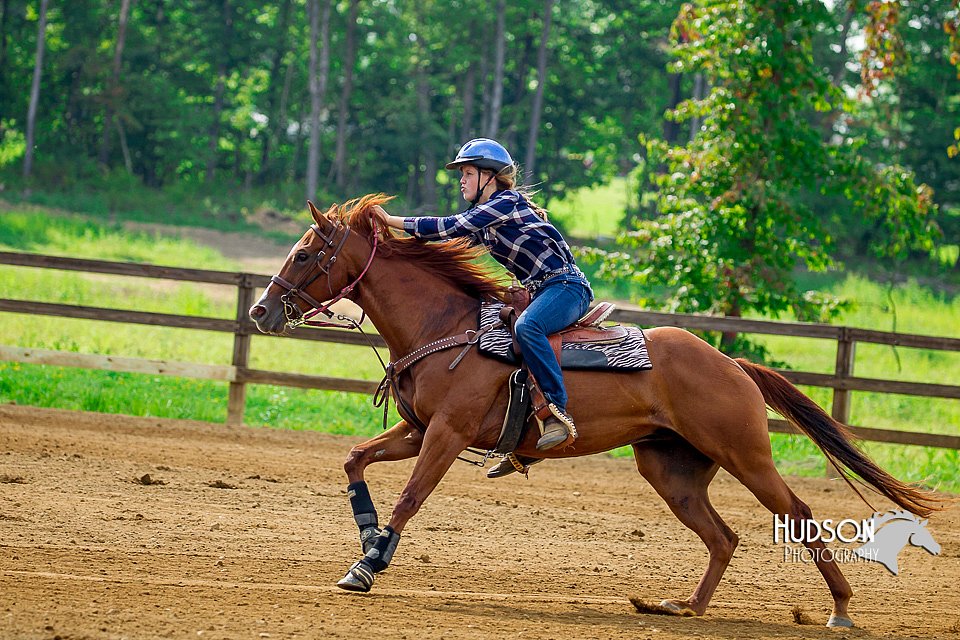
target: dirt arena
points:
(243, 533)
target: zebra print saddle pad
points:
(622, 348)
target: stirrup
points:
(565, 431)
(511, 464)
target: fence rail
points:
(239, 374)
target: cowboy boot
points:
(556, 429)
(510, 464)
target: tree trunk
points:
(537, 108)
(213, 144)
(469, 99)
(4, 21)
(35, 88)
(728, 338)
(213, 133)
(837, 68)
(284, 110)
(496, 104)
(699, 93)
(124, 148)
(829, 118)
(484, 83)
(340, 162)
(319, 70)
(113, 97)
(671, 129)
(294, 169)
(275, 93)
(428, 186)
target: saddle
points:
(580, 345)
(586, 330)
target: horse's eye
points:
(302, 256)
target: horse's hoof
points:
(677, 608)
(358, 578)
(839, 621)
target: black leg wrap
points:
(364, 513)
(380, 555)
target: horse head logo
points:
(891, 533)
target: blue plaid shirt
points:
(527, 245)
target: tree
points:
(496, 99)
(349, 55)
(219, 92)
(278, 89)
(537, 108)
(319, 70)
(113, 93)
(35, 88)
(734, 219)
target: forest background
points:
(752, 145)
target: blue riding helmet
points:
(482, 153)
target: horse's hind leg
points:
(768, 486)
(400, 442)
(681, 474)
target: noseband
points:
(294, 316)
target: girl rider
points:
(518, 236)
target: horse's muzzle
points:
(270, 323)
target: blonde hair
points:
(506, 180)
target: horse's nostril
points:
(257, 311)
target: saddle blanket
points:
(627, 352)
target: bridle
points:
(294, 316)
(389, 384)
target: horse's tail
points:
(836, 441)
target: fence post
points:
(241, 351)
(846, 354)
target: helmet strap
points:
(476, 197)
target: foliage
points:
(732, 217)
(176, 54)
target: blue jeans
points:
(557, 304)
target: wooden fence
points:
(239, 374)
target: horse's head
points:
(324, 265)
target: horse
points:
(695, 411)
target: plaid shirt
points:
(527, 245)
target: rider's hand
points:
(386, 218)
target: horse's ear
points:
(317, 216)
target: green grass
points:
(137, 394)
(593, 213)
(917, 309)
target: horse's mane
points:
(455, 261)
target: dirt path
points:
(250, 529)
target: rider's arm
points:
(468, 223)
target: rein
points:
(389, 385)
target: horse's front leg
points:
(441, 446)
(400, 442)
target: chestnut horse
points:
(696, 411)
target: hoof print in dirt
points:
(801, 617)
